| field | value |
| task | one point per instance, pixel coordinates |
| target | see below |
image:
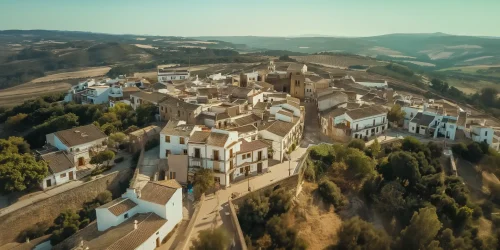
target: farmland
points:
(16, 95)
(85, 73)
(483, 70)
(339, 61)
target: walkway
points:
(148, 167)
(215, 209)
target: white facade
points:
(331, 100)
(96, 95)
(309, 90)
(174, 143)
(171, 211)
(217, 77)
(482, 134)
(79, 153)
(279, 144)
(58, 178)
(254, 162)
(219, 159)
(166, 74)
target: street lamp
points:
(247, 173)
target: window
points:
(357, 126)
(125, 216)
(178, 113)
(485, 133)
(167, 138)
(217, 179)
(63, 175)
(249, 155)
(181, 140)
(171, 175)
(383, 119)
(185, 151)
(197, 153)
(244, 156)
(241, 170)
(182, 77)
(167, 152)
(373, 122)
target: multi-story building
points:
(97, 94)
(166, 74)
(174, 138)
(173, 108)
(251, 159)
(281, 135)
(140, 98)
(216, 150)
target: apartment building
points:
(174, 138)
(166, 74)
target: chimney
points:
(135, 224)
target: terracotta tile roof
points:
(155, 97)
(251, 146)
(199, 137)
(262, 105)
(58, 161)
(174, 128)
(333, 112)
(295, 67)
(334, 94)
(145, 229)
(360, 113)
(285, 113)
(245, 120)
(80, 135)
(209, 138)
(281, 128)
(172, 102)
(158, 192)
(122, 207)
(131, 89)
(244, 129)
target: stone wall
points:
(12, 224)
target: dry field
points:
(337, 60)
(85, 73)
(316, 224)
(16, 95)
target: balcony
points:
(368, 127)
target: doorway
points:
(70, 176)
(48, 182)
(81, 161)
(259, 167)
(158, 242)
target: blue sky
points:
(256, 17)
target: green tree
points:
(474, 152)
(331, 193)
(65, 225)
(203, 181)
(391, 201)
(146, 114)
(117, 138)
(401, 165)
(357, 234)
(14, 145)
(252, 215)
(20, 172)
(413, 237)
(283, 236)
(16, 120)
(358, 164)
(212, 239)
(357, 143)
(109, 128)
(101, 157)
(396, 115)
(436, 150)
(280, 201)
(411, 144)
(374, 148)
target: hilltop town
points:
(191, 144)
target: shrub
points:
(309, 173)
(357, 143)
(33, 232)
(477, 213)
(331, 193)
(459, 149)
(104, 197)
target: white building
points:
(169, 74)
(61, 169)
(174, 138)
(79, 142)
(97, 94)
(140, 219)
(217, 77)
(214, 150)
(331, 100)
(371, 83)
(482, 134)
(250, 160)
(296, 67)
(139, 98)
(281, 135)
(363, 122)
(79, 88)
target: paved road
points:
(215, 209)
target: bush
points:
(309, 173)
(477, 213)
(474, 152)
(104, 197)
(459, 149)
(33, 232)
(357, 143)
(331, 193)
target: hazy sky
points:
(255, 17)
